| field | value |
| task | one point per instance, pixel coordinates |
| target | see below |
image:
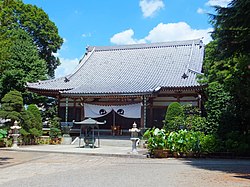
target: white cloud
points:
(201, 11)
(164, 32)
(125, 38)
(222, 3)
(177, 31)
(67, 66)
(150, 7)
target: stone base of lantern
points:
(134, 142)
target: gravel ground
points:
(51, 169)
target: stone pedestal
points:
(15, 142)
(134, 142)
(66, 139)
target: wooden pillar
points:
(74, 110)
(144, 112)
(142, 116)
(82, 112)
(151, 112)
(178, 98)
(66, 109)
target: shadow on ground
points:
(4, 160)
(241, 168)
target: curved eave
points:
(106, 95)
(46, 92)
(181, 88)
(56, 92)
(40, 84)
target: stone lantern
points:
(15, 134)
(134, 137)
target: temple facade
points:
(123, 84)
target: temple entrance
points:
(119, 118)
(114, 119)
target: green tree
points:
(55, 129)
(37, 122)
(220, 110)
(174, 117)
(32, 123)
(227, 65)
(193, 120)
(12, 106)
(30, 120)
(174, 109)
(231, 27)
(4, 52)
(15, 15)
(23, 65)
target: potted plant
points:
(178, 143)
(157, 142)
(172, 143)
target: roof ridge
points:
(82, 62)
(145, 45)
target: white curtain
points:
(96, 111)
(128, 111)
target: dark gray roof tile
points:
(138, 68)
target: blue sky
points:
(117, 22)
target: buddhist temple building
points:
(123, 84)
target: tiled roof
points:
(132, 69)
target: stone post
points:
(15, 134)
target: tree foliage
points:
(227, 69)
(174, 116)
(15, 15)
(30, 120)
(12, 106)
(219, 107)
(3, 134)
(231, 26)
(23, 65)
(174, 109)
(4, 52)
(31, 123)
(193, 120)
(37, 119)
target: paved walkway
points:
(110, 146)
(37, 169)
(45, 165)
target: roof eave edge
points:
(105, 94)
(185, 87)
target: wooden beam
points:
(105, 103)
